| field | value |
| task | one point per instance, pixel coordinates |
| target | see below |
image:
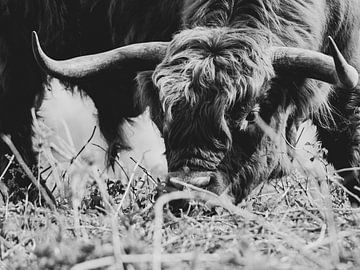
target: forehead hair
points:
(208, 70)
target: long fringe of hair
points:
(229, 38)
(210, 70)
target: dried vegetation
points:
(296, 222)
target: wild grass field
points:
(302, 221)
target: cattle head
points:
(210, 85)
(225, 100)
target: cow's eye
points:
(251, 117)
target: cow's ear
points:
(148, 96)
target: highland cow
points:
(21, 80)
(237, 68)
(71, 28)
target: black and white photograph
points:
(179, 134)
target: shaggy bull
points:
(69, 28)
(21, 81)
(237, 68)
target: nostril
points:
(212, 179)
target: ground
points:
(107, 221)
(286, 227)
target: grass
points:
(296, 222)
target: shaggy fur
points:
(138, 20)
(68, 28)
(127, 21)
(205, 77)
(21, 81)
(216, 78)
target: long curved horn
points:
(316, 65)
(141, 55)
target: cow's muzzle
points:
(213, 181)
(198, 181)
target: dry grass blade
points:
(146, 258)
(213, 199)
(329, 216)
(281, 225)
(50, 201)
(186, 195)
(84, 146)
(335, 181)
(144, 170)
(132, 177)
(7, 167)
(290, 238)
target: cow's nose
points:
(175, 182)
(200, 181)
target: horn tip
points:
(333, 45)
(35, 42)
(39, 55)
(348, 75)
(34, 36)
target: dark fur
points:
(21, 81)
(68, 28)
(217, 71)
(129, 21)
